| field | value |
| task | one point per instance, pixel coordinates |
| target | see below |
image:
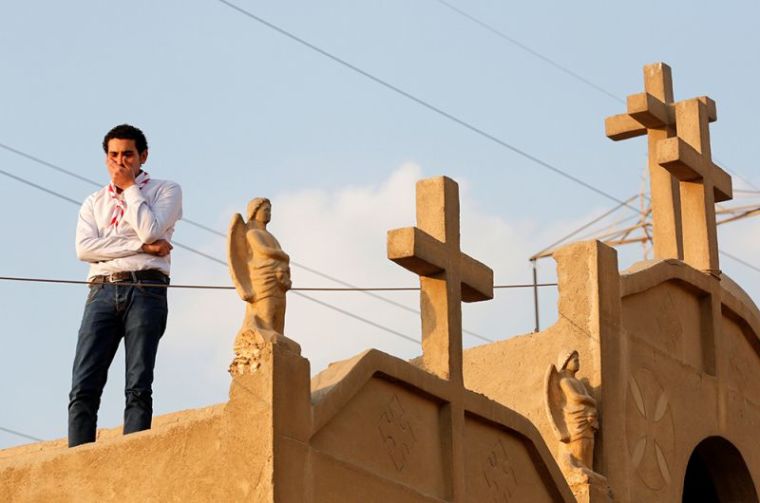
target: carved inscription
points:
(650, 429)
(499, 474)
(396, 433)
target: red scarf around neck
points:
(119, 204)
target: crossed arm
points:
(149, 222)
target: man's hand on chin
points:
(122, 177)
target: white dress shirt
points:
(150, 215)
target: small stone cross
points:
(447, 276)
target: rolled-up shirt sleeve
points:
(91, 247)
(151, 222)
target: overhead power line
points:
(85, 179)
(403, 93)
(582, 227)
(422, 102)
(49, 165)
(530, 51)
(298, 291)
(365, 320)
(42, 162)
(556, 65)
(226, 287)
(39, 187)
(222, 262)
(606, 235)
(737, 259)
(94, 183)
(19, 434)
(193, 250)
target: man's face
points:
(124, 153)
(264, 213)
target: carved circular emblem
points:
(650, 431)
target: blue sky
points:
(235, 110)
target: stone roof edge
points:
(735, 301)
(331, 393)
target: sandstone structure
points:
(370, 429)
(260, 271)
(665, 408)
(574, 418)
(672, 345)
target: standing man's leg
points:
(144, 324)
(98, 340)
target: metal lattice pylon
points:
(637, 228)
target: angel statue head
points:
(569, 360)
(256, 204)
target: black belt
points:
(131, 276)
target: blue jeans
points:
(112, 312)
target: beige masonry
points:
(370, 429)
(657, 386)
(672, 345)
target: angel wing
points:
(238, 258)
(555, 399)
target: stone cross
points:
(651, 113)
(685, 184)
(688, 157)
(447, 276)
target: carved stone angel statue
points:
(573, 415)
(260, 270)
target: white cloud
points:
(342, 234)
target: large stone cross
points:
(685, 183)
(652, 113)
(447, 276)
(688, 157)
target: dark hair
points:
(126, 132)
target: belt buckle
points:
(118, 277)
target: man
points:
(124, 232)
